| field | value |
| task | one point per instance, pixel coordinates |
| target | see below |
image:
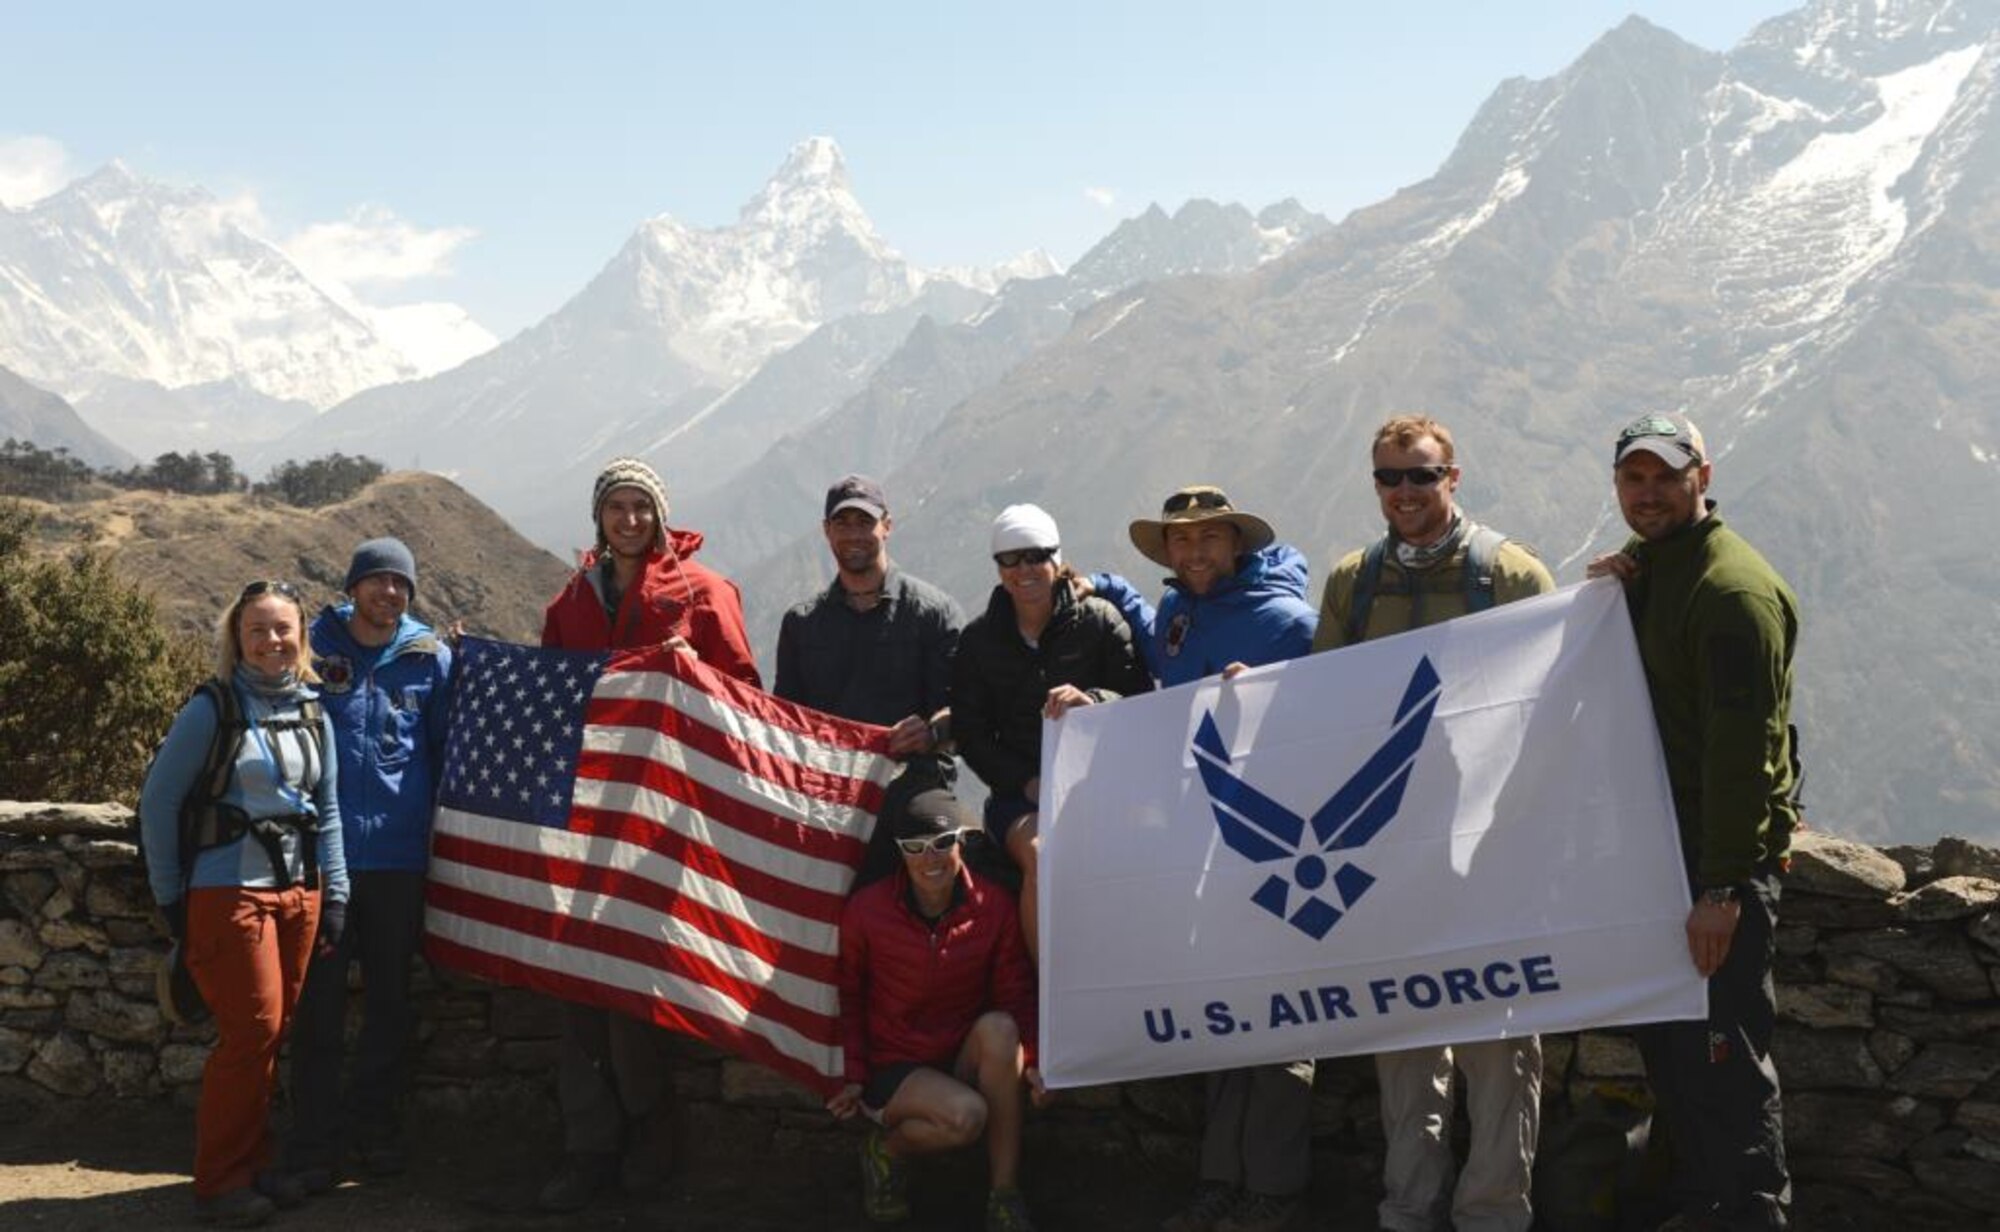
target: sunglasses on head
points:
(1181, 502)
(284, 589)
(1024, 556)
(936, 842)
(1422, 476)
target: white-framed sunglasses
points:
(936, 842)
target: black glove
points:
(332, 923)
(176, 915)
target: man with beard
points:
(638, 587)
(875, 646)
(1716, 627)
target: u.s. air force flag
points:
(1460, 833)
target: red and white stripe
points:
(714, 833)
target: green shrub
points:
(89, 678)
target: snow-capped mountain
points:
(1797, 242)
(118, 276)
(663, 339)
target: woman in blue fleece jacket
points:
(248, 915)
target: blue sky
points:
(497, 155)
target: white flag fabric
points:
(1459, 833)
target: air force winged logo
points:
(1260, 829)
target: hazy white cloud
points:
(373, 247)
(32, 168)
(432, 336)
(1102, 198)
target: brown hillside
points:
(194, 552)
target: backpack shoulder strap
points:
(228, 741)
(1366, 582)
(1482, 550)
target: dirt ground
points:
(124, 1167)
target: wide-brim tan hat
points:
(1190, 505)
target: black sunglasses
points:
(936, 842)
(1422, 476)
(1024, 556)
(284, 589)
(1208, 498)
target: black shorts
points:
(881, 1085)
(1001, 814)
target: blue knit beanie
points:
(384, 555)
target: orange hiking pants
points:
(247, 950)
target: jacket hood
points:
(683, 543)
(330, 631)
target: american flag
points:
(636, 830)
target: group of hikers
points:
(287, 815)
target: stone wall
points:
(1888, 1043)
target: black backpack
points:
(205, 821)
(1481, 550)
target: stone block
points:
(31, 857)
(1939, 959)
(133, 960)
(19, 946)
(1826, 1005)
(1557, 1053)
(28, 999)
(1868, 1175)
(1980, 1117)
(700, 1083)
(1860, 971)
(129, 1072)
(1599, 1055)
(1892, 1050)
(133, 932)
(462, 1054)
(1947, 1071)
(26, 892)
(180, 1064)
(1843, 914)
(1796, 940)
(104, 1013)
(101, 854)
(1986, 931)
(1097, 1099)
(74, 933)
(1177, 1150)
(1818, 1060)
(1948, 898)
(59, 905)
(1933, 1026)
(16, 1048)
(36, 1022)
(1918, 867)
(517, 1014)
(750, 1085)
(530, 1056)
(459, 1009)
(1970, 1182)
(110, 896)
(1982, 1148)
(1175, 1102)
(73, 969)
(64, 1065)
(16, 977)
(58, 819)
(1957, 857)
(1881, 1125)
(1840, 868)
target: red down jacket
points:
(908, 993)
(673, 595)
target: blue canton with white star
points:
(517, 721)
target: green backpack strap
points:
(1482, 550)
(1366, 582)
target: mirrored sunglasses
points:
(936, 842)
(265, 587)
(1422, 476)
(1024, 556)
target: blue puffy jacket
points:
(388, 707)
(1257, 615)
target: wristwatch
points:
(1719, 896)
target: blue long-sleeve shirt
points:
(307, 783)
(1257, 615)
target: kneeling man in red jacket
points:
(937, 1013)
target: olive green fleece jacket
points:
(1439, 591)
(1716, 627)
